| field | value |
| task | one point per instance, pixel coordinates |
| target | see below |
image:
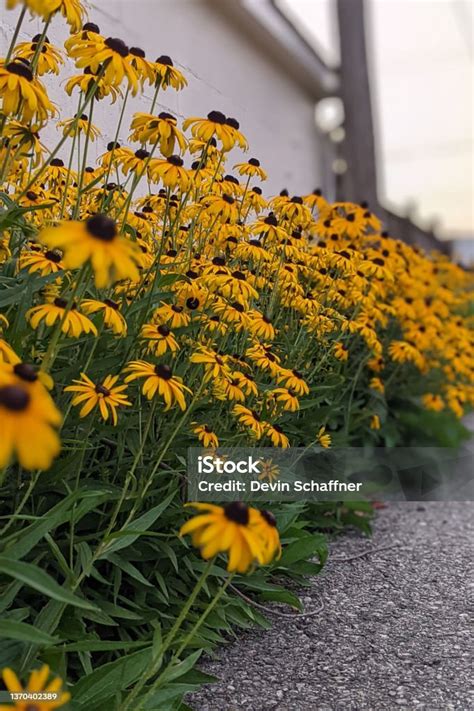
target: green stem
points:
(15, 34)
(50, 355)
(187, 640)
(156, 661)
(84, 162)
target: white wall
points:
(226, 71)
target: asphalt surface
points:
(395, 633)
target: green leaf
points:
(105, 681)
(142, 524)
(37, 579)
(302, 549)
(11, 629)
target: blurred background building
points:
(367, 99)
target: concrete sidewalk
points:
(394, 633)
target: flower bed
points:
(157, 301)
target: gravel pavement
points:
(395, 633)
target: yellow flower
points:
(268, 470)
(404, 352)
(249, 418)
(171, 172)
(110, 312)
(215, 366)
(49, 60)
(96, 240)
(159, 379)
(161, 130)
(232, 529)
(22, 94)
(28, 417)
(251, 168)
(105, 395)
(112, 56)
(433, 402)
(216, 124)
(206, 436)
(74, 324)
(77, 125)
(287, 397)
(293, 380)
(377, 385)
(36, 683)
(340, 351)
(278, 438)
(323, 438)
(44, 263)
(160, 339)
(375, 422)
(168, 75)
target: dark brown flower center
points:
(237, 512)
(163, 330)
(176, 160)
(91, 27)
(25, 372)
(53, 256)
(102, 227)
(269, 518)
(192, 304)
(164, 59)
(14, 398)
(112, 304)
(228, 198)
(101, 390)
(163, 371)
(117, 45)
(137, 52)
(141, 154)
(216, 117)
(20, 69)
(254, 162)
(57, 163)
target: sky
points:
(421, 66)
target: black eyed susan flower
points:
(79, 124)
(340, 351)
(276, 435)
(43, 262)
(112, 256)
(168, 75)
(144, 68)
(88, 34)
(293, 380)
(106, 396)
(160, 339)
(229, 390)
(49, 60)
(133, 161)
(161, 130)
(204, 129)
(251, 168)
(404, 352)
(266, 527)
(323, 438)
(269, 471)
(24, 140)
(28, 418)
(159, 380)
(37, 684)
(216, 366)
(261, 326)
(171, 172)
(113, 54)
(110, 313)
(230, 529)
(287, 398)
(250, 419)
(92, 82)
(172, 314)
(74, 324)
(375, 422)
(433, 402)
(223, 207)
(21, 94)
(205, 435)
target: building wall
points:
(227, 70)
